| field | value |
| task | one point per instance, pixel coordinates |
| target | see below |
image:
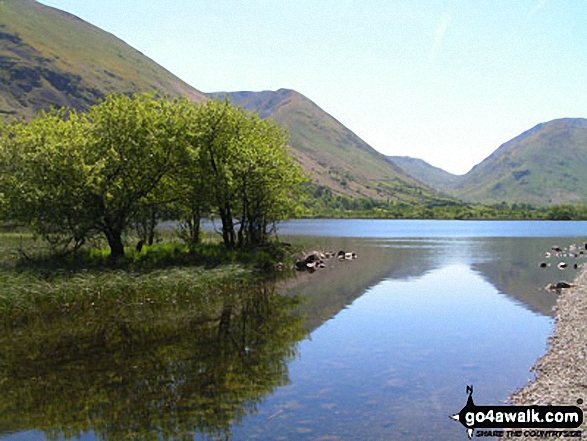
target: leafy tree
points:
(71, 175)
(252, 177)
(265, 179)
(43, 176)
(134, 145)
(188, 186)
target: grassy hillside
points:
(432, 176)
(49, 57)
(334, 155)
(544, 165)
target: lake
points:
(381, 347)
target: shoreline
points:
(561, 373)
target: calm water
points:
(379, 348)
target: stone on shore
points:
(561, 374)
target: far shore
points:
(561, 373)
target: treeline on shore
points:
(321, 202)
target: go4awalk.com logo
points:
(476, 418)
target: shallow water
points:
(386, 347)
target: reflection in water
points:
(514, 269)
(511, 265)
(161, 374)
(395, 337)
(398, 333)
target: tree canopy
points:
(71, 176)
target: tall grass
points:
(167, 273)
(27, 295)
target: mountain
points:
(432, 176)
(544, 165)
(52, 58)
(335, 156)
(49, 57)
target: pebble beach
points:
(561, 373)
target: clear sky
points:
(447, 81)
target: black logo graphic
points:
(516, 417)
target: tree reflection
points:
(150, 374)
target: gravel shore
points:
(561, 374)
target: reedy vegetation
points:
(72, 176)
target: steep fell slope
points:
(49, 57)
(335, 156)
(544, 165)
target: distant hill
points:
(49, 57)
(335, 156)
(428, 174)
(544, 165)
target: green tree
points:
(43, 176)
(71, 175)
(189, 187)
(126, 160)
(562, 212)
(134, 145)
(252, 177)
(265, 178)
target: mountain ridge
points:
(435, 177)
(543, 165)
(50, 57)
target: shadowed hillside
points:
(49, 57)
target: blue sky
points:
(447, 81)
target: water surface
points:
(380, 348)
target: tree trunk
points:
(193, 224)
(152, 226)
(196, 227)
(114, 238)
(228, 235)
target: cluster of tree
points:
(128, 160)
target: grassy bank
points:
(36, 283)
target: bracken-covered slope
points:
(49, 57)
(544, 165)
(335, 156)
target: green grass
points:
(43, 285)
(30, 295)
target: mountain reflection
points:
(514, 270)
(150, 374)
(511, 265)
